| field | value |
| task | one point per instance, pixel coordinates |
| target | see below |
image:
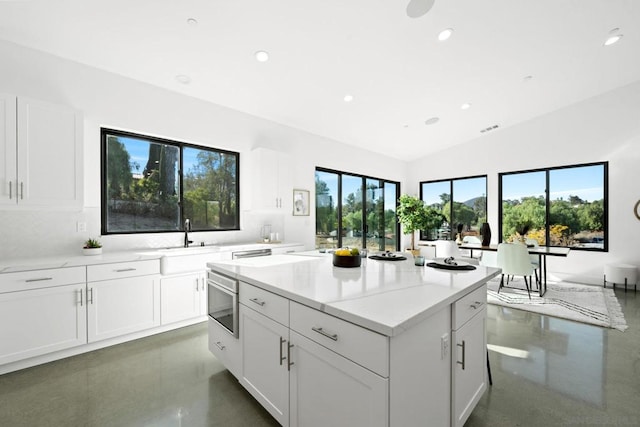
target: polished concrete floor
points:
(546, 372)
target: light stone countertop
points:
(77, 260)
(387, 297)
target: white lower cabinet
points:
(127, 301)
(327, 389)
(265, 369)
(182, 297)
(225, 347)
(469, 364)
(40, 321)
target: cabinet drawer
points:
(468, 306)
(358, 344)
(119, 270)
(36, 279)
(265, 302)
(225, 347)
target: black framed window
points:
(560, 206)
(152, 185)
(356, 211)
(462, 201)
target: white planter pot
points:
(91, 251)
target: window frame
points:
(547, 171)
(105, 132)
(364, 179)
(451, 181)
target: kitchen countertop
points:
(385, 296)
(72, 260)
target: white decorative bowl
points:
(91, 251)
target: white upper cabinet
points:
(41, 151)
(271, 185)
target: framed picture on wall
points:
(300, 202)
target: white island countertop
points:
(385, 296)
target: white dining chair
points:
(535, 261)
(513, 259)
(447, 248)
(489, 259)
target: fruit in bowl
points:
(346, 257)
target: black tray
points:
(388, 257)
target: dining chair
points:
(513, 259)
(489, 259)
(535, 261)
(447, 248)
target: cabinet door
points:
(271, 180)
(225, 347)
(49, 139)
(469, 367)
(330, 390)
(41, 321)
(180, 297)
(121, 306)
(8, 173)
(264, 362)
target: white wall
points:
(603, 128)
(113, 101)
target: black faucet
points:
(187, 228)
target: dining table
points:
(541, 251)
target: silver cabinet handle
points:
(81, 302)
(21, 190)
(90, 299)
(289, 363)
(202, 284)
(257, 301)
(40, 279)
(220, 346)
(326, 334)
(10, 190)
(197, 285)
(463, 356)
(282, 358)
(476, 304)
(122, 270)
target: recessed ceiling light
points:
(445, 34)
(185, 80)
(192, 21)
(613, 39)
(348, 98)
(262, 56)
(432, 121)
(465, 106)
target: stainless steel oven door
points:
(223, 307)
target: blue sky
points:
(139, 153)
(585, 182)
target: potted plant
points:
(414, 215)
(92, 247)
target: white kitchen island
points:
(384, 344)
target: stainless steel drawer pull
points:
(90, 299)
(21, 190)
(81, 302)
(282, 358)
(257, 301)
(463, 347)
(10, 190)
(40, 279)
(122, 270)
(476, 304)
(220, 346)
(326, 334)
(289, 363)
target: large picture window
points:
(563, 206)
(462, 201)
(355, 211)
(153, 185)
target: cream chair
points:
(535, 261)
(513, 259)
(447, 248)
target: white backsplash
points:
(34, 234)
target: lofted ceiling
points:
(511, 60)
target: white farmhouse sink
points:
(182, 260)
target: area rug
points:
(582, 303)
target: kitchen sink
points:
(182, 260)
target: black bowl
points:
(346, 261)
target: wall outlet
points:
(444, 346)
(81, 227)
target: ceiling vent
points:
(490, 128)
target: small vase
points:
(485, 231)
(91, 251)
